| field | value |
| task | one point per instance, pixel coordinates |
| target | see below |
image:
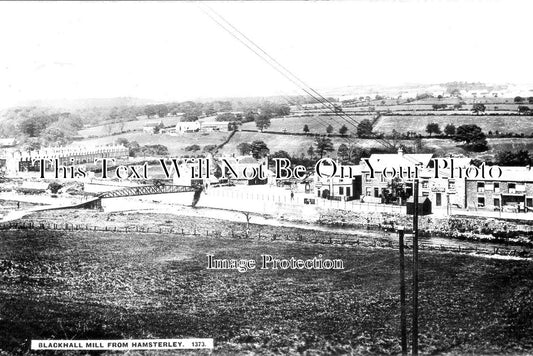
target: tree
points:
(474, 138)
(343, 153)
(522, 109)
(150, 110)
(188, 117)
(306, 128)
(281, 154)
(311, 152)
(161, 110)
(244, 148)
(457, 106)
(329, 129)
(510, 158)
(433, 128)
(439, 106)
(343, 130)
(226, 117)
(518, 99)
(478, 108)
(364, 128)
(262, 122)
(530, 100)
(209, 148)
(193, 148)
(449, 130)
(158, 127)
(54, 187)
(259, 149)
(133, 148)
(122, 141)
(154, 150)
(323, 144)
(395, 189)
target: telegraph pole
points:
(415, 269)
(403, 318)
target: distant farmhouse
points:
(7, 142)
(187, 126)
(204, 125)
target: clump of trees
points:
(258, 149)
(262, 122)
(439, 106)
(323, 144)
(433, 128)
(478, 108)
(449, 130)
(364, 128)
(473, 137)
(512, 158)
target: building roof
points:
(509, 174)
(379, 161)
(7, 142)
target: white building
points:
(187, 126)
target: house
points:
(250, 171)
(23, 161)
(187, 126)
(214, 125)
(512, 191)
(7, 142)
(375, 184)
(150, 128)
(346, 187)
(445, 191)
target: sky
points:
(174, 51)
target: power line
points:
(284, 71)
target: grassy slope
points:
(504, 124)
(176, 144)
(103, 130)
(316, 124)
(104, 285)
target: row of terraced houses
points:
(511, 191)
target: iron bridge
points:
(149, 189)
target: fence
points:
(265, 197)
(247, 235)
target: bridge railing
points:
(148, 190)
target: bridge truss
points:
(149, 189)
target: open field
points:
(297, 145)
(176, 144)
(502, 124)
(107, 285)
(317, 124)
(135, 125)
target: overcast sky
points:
(174, 51)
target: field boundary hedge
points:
(239, 234)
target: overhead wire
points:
(252, 46)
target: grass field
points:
(503, 124)
(135, 125)
(107, 285)
(316, 124)
(175, 144)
